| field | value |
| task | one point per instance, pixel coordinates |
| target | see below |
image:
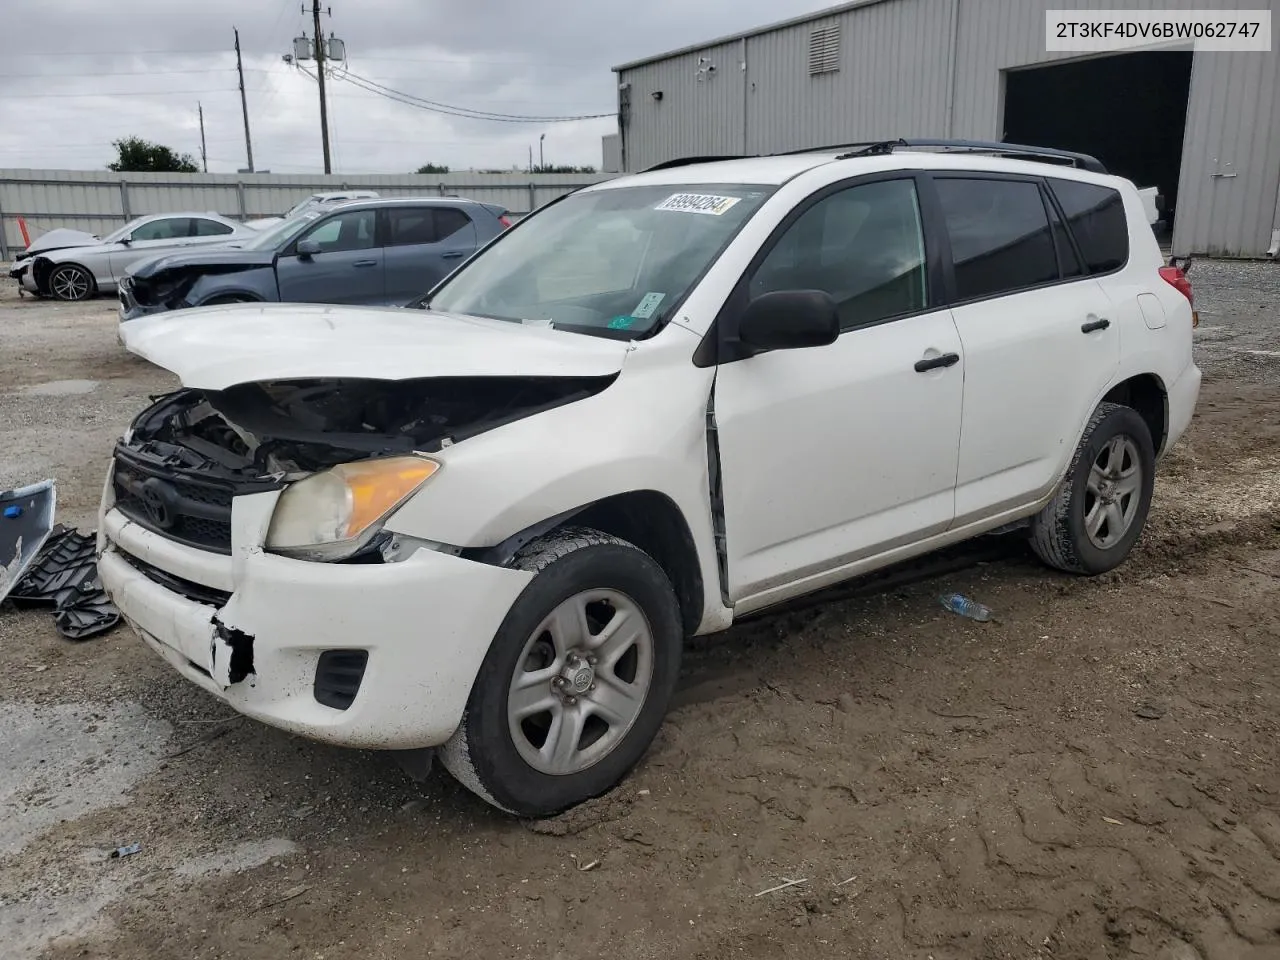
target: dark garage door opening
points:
(1128, 110)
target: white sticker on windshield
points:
(644, 309)
(697, 203)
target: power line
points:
(44, 77)
(372, 86)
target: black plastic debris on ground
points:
(64, 575)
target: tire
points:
(506, 749)
(1116, 442)
(70, 281)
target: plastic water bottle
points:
(962, 605)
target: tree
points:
(553, 168)
(135, 155)
(432, 168)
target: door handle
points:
(452, 255)
(935, 363)
(365, 263)
(1098, 323)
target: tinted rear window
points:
(1000, 237)
(1095, 216)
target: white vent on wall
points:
(824, 50)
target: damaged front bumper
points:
(376, 656)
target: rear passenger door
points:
(348, 268)
(1040, 341)
(424, 245)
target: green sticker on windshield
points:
(621, 323)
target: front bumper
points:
(21, 274)
(130, 309)
(425, 624)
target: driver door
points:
(836, 454)
(348, 268)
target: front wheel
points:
(71, 282)
(577, 679)
(1099, 511)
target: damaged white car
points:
(486, 525)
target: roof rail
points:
(1017, 150)
(689, 161)
(875, 148)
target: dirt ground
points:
(1092, 775)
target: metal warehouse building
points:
(1203, 127)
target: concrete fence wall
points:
(99, 201)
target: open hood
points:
(213, 348)
(58, 240)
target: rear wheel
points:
(1099, 511)
(71, 281)
(577, 679)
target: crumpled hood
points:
(213, 348)
(59, 239)
(219, 257)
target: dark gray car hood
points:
(221, 260)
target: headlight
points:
(333, 514)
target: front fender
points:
(647, 431)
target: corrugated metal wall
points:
(937, 68)
(99, 201)
(700, 110)
(884, 88)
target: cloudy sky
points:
(77, 74)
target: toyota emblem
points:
(158, 502)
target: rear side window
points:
(1000, 236)
(424, 224)
(449, 220)
(411, 225)
(209, 228)
(1095, 216)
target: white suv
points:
(662, 402)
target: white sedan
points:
(75, 266)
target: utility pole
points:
(324, 107)
(244, 104)
(204, 155)
(542, 161)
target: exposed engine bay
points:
(189, 454)
(283, 429)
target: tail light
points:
(507, 223)
(1176, 277)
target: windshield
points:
(301, 205)
(618, 260)
(281, 233)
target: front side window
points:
(613, 261)
(1096, 217)
(1000, 237)
(864, 246)
(210, 228)
(355, 230)
(167, 229)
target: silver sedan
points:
(96, 266)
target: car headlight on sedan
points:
(333, 514)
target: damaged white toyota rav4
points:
(486, 524)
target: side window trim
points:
(720, 345)
(1055, 210)
(952, 297)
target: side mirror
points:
(790, 319)
(308, 249)
(127, 241)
